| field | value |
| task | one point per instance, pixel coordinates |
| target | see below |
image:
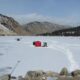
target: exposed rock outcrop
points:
(12, 25)
(35, 75)
(64, 71)
(75, 73)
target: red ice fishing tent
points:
(37, 43)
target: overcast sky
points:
(61, 11)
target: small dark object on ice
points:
(18, 39)
(34, 43)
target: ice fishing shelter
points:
(40, 44)
(37, 43)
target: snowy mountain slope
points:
(5, 31)
(61, 52)
(12, 25)
(4, 28)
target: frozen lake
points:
(61, 52)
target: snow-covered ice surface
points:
(61, 52)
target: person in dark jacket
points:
(44, 44)
(9, 77)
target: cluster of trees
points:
(65, 32)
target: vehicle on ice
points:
(40, 44)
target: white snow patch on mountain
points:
(3, 28)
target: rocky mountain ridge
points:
(37, 27)
(12, 25)
(30, 29)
